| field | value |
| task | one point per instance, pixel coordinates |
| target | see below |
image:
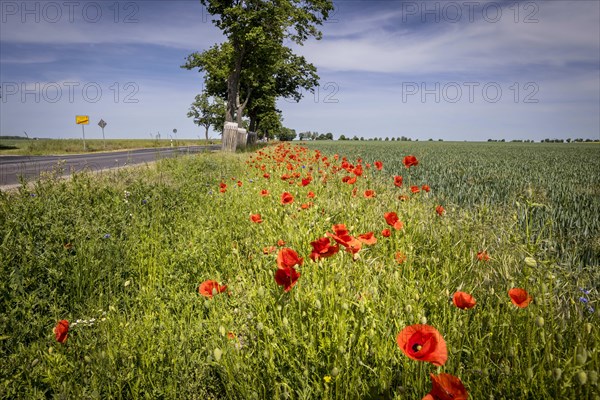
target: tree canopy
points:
(254, 67)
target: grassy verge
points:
(72, 146)
(121, 259)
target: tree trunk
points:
(233, 86)
(241, 138)
(206, 133)
(229, 137)
(252, 139)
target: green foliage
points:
(253, 68)
(207, 112)
(286, 134)
(145, 332)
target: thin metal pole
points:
(83, 130)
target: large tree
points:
(208, 112)
(255, 31)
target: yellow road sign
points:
(82, 119)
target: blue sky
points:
(454, 70)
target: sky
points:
(451, 70)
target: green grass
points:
(142, 240)
(75, 146)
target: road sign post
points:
(82, 120)
(102, 124)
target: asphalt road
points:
(30, 167)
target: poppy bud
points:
(423, 320)
(408, 308)
(530, 262)
(285, 321)
(588, 328)
(335, 372)
(222, 330)
(318, 305)
(529, 373)
(217, 353)
(261, 291)
(581, 377)
(266, 354)
(539, 321)
(581, 357)
(593, 377)
(557, 373)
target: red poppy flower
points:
(264, 192)
(322, 248)
(306, 181)
(398, 181)
(280, 242)
(369, 193)
(256, 218)
(403, 197)
(206, 288)
(414, 189)
(426, 188)
(446, 387)
(519, 297)
(287, 198)
(269, 250)
(351, 244)
(61, 331)
(483, 256)
(440, 210)
(423, 343)
(286, 277)
(386, 233)
(223, 185)
(288, 258)
(367, 238)
(392, 220)
(310, 195)
(340, 229)
(410, 161)
(378, 165)
(239, 183)
(266, 176)
(349, 180)
(305, 206)
(400, 257)
(358, 170)
(463, 300)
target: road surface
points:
(30, 167)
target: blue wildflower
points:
(106, 236)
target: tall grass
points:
(124, 254)
(67, 146)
